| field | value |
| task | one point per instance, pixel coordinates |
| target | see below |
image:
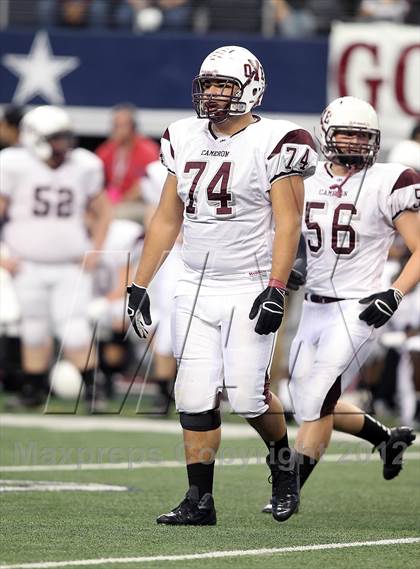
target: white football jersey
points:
(46, 206)
(225, 185)
(121, 249)
(152, 182)
(348, 231)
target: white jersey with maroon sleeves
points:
(225, 185)
(349, 227)
(46, 207)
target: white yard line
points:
(76, 423)
(211, 554)
(46, 486)
(342, 458)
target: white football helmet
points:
(350, 116)
(406, 152)
(42, 124)
(232, 67)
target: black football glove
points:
(297, 277)
(138, 309)
(382, 307)
(271, 303)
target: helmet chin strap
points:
(222, 119)
(339, 187)
(351, 161)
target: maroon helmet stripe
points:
(168, 138)
(406, 178)
(298, 136)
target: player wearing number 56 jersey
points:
(46, 188)
(353, 208)
(235, 184)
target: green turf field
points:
(344, 502)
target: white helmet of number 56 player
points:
(240, 80)
(350, 134)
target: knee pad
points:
(74, 333)
(35, 332)
(207, 421)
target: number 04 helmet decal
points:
(240, 81)
(357, 120)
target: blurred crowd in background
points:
(286, 18)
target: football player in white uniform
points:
(162, 293)
(46, 188)
(235, 184)
(353, 208)
(115, 268)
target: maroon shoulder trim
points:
(327, 169)
(406, 178)
(167, 137)
(285, 175)
(298, 136)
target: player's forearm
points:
(103, 218)
(99, 235)
(285, 245)
(158, 243)
(410, 275)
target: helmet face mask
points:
(359, 150)
(61, 143)
(350, 134)
(240, 81)
(217, 107)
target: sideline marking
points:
(119, 424)
(342, 458)
(47, 486)
(210, 554)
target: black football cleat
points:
(285, 491)
(392, 452)
(268, 508)
(192, 511)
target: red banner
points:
(378, 62)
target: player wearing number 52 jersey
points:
(46, 188)
(235, 184)
(49, 205)
(353, 208)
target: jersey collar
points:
(256, 117)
